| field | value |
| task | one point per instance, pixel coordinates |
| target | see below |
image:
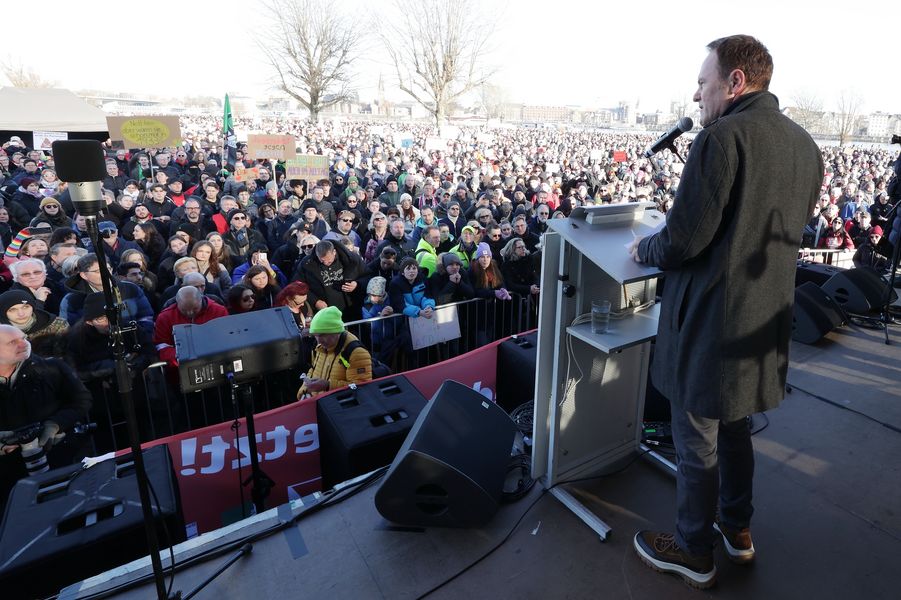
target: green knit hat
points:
(327, 320)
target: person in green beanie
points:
(339, 358)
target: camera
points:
(896, 139)
(23, 434)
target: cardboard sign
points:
(275, 147)
(406, 142)
(42, 140)
(145, 132)
(435, 143)
(620, 156)
(597, 154)
(307, 166)
(442, 327)
(551, 167)
(247, 174)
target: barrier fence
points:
(163, 410)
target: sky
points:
(566, 52)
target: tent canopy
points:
(30, 109)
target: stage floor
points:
(827, 521)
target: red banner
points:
(206, 460)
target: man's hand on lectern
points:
(633, 248)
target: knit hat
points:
(468, 228)
(875, 230)
(327, 320)
(236, 211)
(376, 286)
(407, 197)
(106, 226)
(47, 201)
(309, 203)
(12, 298)
(94, 306)
(450, 258)
(483, 249)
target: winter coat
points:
(332, 367)
(729, 249)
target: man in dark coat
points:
(729, 249)
(35, 390)
(331, 274)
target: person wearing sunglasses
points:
(240, 235)
(345, 228)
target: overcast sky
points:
(563, 52)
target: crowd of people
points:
(391, 229)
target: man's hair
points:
(14, 267)
(157, 186)
(323, 248)
(86, 262)
(746, 53)
(125, 267)
(57, 248)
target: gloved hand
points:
(49, 432)
(6, 449)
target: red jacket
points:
(171, 316)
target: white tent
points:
(31, 109)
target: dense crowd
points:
(392, 228)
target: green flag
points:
(228, 132)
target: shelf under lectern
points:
(622, 333)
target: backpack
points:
(379, 369)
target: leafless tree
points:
(21, 76)
(310, 45)
(492, 99)
(848, 105)
(808, 111)
(437, 49)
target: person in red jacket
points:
(190, 307)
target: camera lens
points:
(35, 457)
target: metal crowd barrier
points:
(163, 410)
(836, 258)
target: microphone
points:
(82, 164)
(667, 139)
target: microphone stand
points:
(123, 380)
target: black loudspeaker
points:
(817, 273)
(516, 368)
(814, 315)
(450, 470)
(362, 429)
(69, 524)
(858, 291)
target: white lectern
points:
(589, 389)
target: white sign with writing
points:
(44, 139)
(442, 327)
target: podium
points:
(589, 389)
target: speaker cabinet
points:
(814, 315)
(518, 355)
(362, 429)
(69, 524)
(450, 470)
(816, 273)
(858, 291)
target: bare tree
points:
(492, 99)
(311, 48)
(21, 76)
(849, 105)
(808, 111)
(437, 49)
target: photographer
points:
(35, 390)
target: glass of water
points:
(600, 316)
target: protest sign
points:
(442, 327)
(274, 147)
(144, 132)
(42, 140)
(307, 166)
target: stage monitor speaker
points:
(858, 291)
(816, 273)
(362, 429)
(69, 524)
(450, 470)
(814, 315)
(516, 369)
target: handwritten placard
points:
(442, 327)
(620, 156)
(275, 147)
(145, 132)
(307, 166)
(247, 174)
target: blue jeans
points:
(716, 464)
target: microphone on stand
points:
(82, 164)
(667, 139)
